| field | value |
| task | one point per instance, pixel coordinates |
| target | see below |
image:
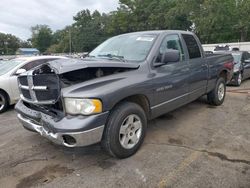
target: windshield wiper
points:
(111, 56)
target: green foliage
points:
(41, 37)
(88, 30)
(9, 44)
(219, 21)
(212, 20)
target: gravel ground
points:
(195, 146)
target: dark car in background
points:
(241, 67)
(222, 48)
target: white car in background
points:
(9, 70)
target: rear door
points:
(198, 67)
(170, 85)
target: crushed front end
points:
(42, 110)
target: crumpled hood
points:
(67, 65)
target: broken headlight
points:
(82, 106)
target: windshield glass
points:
(236, 57)
(130, 47)
(6, 66)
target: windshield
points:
(130, 47)
(6, 66)
(237, 58)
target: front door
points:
(171, 80)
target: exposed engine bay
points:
(49, 79)
(82, 75)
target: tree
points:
(136, 15)
(242, 17)
(218, 21)
(9, 44)
(88, 31)
(41, 37)
(212, 20)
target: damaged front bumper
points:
(69, 131)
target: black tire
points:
(4, 102)
(214, 97)
(238, 79)
(111, 137)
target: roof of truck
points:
(152, 32)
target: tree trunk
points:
(243, 34)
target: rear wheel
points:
(125, 130)
(217, 95)
(3, 102)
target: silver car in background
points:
(9, 70)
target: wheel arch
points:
(139, 99)
(8, 97)
(223, 74)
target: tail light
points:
(229, 65)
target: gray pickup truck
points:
(110, 95)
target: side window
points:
(171, 42)
(193, 47)
(245, 56)
(248, 56)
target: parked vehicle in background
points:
(241, 67)
(27, 51)
(222, 48)
(235, 49)
(125, 81)
(208, 52)
(9, 70)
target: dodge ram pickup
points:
(110, 95)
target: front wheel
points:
(217, 95)
(3, 102)
(238, 79)
(125, 130)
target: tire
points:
(4, 103)
(238, 79)
(217, 96)
(125, 130)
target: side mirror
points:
(20, 71)
(170, 56)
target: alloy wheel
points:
(2, 102)
(130, 131)
(239, 79)
(221, 91)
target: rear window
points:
(193, 47)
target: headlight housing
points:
(82, 106)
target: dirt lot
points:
(194, 146)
